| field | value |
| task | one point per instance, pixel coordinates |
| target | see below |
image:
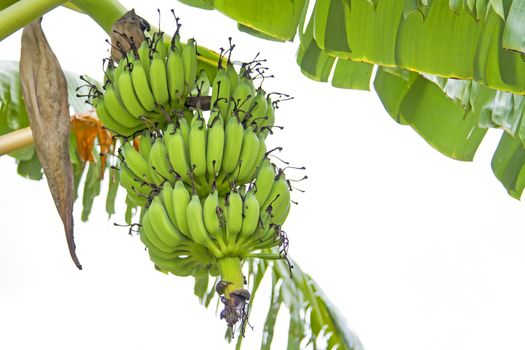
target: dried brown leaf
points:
(44, 89)
(126, 28)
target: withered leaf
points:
(127, 28)
(44, 89)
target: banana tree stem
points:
(15, 140)
(23, 12)
(104, 12)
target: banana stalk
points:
(15, 140)
(22, 13)
(231, 273)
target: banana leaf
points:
(450, 69)
(481, 40)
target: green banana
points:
(211, 216)
(268, 241)
(118, 70)
(149, 231)
(250, 214)
(233, 140)
(248, 157)
(278, 198)
(197, 142)
(159, 161)
(175, 72)
(215, 145)
(162, 224)
(135, 199)
(128, 96)
(184, 127)
(282, 215)
(108, 121)
(197, 228)
(161, 46)
(247, 242)
(158, 79)
(220, 94)
(179, 267)
(233, 76)
(177, 154)
(258, 108)
(242, 98)
(264, 181)
(138, 165)
(141, 86)
(145, 143)
(189, 58)
(266, 126)
(144, 56)
(181, 199)
(234, 215)
(155, 177)
(261, 153)
(153, 248)
(166, 195)
(132, 184)
(202, 85)
(117, 110)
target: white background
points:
(418, 251)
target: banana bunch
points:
(186, 234)
(203, 154)
(151, 83)
(234, 95)
(193, 157)
(165, 232)
(147, 85)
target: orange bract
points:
(86, 127)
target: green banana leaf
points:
(450, 69)
(260, 15)
(13, 116)
(491, 108)
(481, 40)
(440, 120)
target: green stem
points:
(24, 12)
(231, 272)
(104, 12)
(6, 3)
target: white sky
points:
(418, 251)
